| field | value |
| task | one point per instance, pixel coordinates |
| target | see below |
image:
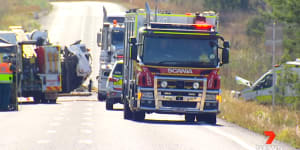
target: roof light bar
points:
(203, 26)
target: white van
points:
(263, 87)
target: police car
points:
(114, 85)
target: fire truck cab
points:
(111, 40)
(172, 64)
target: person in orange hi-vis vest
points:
(6, 81)
(8, 73)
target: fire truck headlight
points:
(148, 95)
(164, 84)
(211, 97)
(196, 85)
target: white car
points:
(102, 79)
(114, 85)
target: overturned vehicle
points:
(76, 66)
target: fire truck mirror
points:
(133, 52)
(133, 48)
(226, 44)
(225, 56)
(99, 39)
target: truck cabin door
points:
(103, 78)
(263, 88)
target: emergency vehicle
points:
(114, 85)
(8, 76)
(41, 73)
(172, 65)
(111, 40)
(39, 67)
(261, 89)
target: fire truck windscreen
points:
(181, 52)
(117, 37)
(8, 49)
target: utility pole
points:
(273, 64)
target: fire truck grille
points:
(179, 93)
(172, 84)
(179, 84)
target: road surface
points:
(82, 123)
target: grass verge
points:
(283, 121)
(22, 12)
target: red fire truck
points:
(172, 65)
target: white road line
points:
(51, 131)
(89, 109)
(54, 124)
(87, 113)
(43, 141)
(86, 131)
(87, 118)
(85, 141)
(234, 138)
(86, 124)
(65, 109)
(67, 104)
(58, 118)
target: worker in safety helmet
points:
(7, 80)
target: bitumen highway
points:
(83, 123)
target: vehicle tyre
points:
(208, 118)
(37, 97)
(200, 117)
(126, 111)
(52, 101)
(189, 117)
(138, 116)
(211, 119)
(36, 100)
(109, 105)
(101, 97)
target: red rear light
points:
(44, 80)
(120, 56)
(113, 79)
(118, 89)
(58, 78)
(203, 26)
(188, 14)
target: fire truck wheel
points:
(101, 97)
(36, 100)
(52, 101)
(138, 116)
(208, 118)
(109, 106)
(189, 117)
(127, 112)
(211, 119)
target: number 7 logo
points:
(271, 135)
